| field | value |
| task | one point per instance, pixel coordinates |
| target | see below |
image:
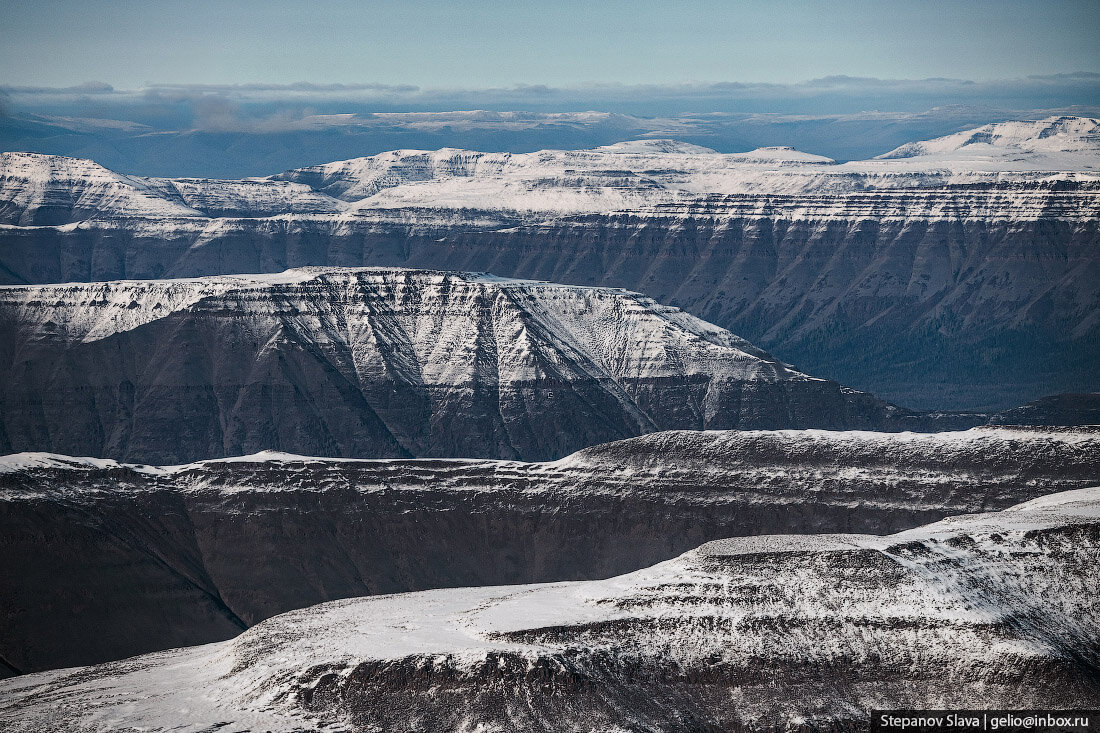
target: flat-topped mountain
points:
(372, 363)
(958, 273)
(213, 547)
(996, 610)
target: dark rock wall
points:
(944, 313)
(328, 368)
(105, 564)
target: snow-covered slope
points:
(213, 547)
(994, 610)
(1055, 143)
(647, 173)
(380, 363)
(40, 189)
(640, 174)
(246, 198)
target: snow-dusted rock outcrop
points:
(106, 560)
(39, 190)
(995, 610)
(374, 363)
(45, 189)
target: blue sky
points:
(253, 87)
(469, 45)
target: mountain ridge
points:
(918, 284)
(362, 182)
(218, 545)
(382, 362)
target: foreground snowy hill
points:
(958, 273)
(995, 610)
(375, 363)
(106, 560)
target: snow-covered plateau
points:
(979, 248)
(104, 560)
(37, 189)
(994, 610)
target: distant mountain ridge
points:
(1053, 135)
(35, 188)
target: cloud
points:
(88, 87)
(272, 108)
(302, 86)
(1080, 84)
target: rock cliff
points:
(958, 273)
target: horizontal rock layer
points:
(914, 300)
(105, 560)
(957, 273)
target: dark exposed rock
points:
(1062, 409)
(106, 561)
(377, 363)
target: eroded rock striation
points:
(377, 363)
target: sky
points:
(251, 87)
(493, 43)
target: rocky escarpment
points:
(106, 560)
(935, 311)
(957, 273)
(993, 610)
(381, 363)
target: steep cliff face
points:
(380, 363)
(105, 560)
(994, 610)
(965, 265)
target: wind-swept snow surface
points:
(991, 610)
